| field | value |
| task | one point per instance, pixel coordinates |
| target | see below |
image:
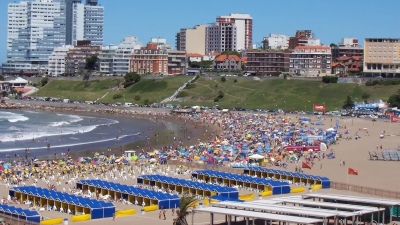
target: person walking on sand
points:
(165, 217)
(159, 215)
(173, 211)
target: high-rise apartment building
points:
(37, 27)
(88, 22)
(230, 33)
(382, 57)
(192, 40)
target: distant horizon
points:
(165, 18)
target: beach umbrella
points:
(153, 160)
(133, 158)
(6, 166)
(61, 163)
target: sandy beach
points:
(355, 154)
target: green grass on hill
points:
(247, 93)
(153, 90)
(76, 90)
(279, 93)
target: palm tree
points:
(186, 202)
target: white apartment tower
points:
(88, 22)
(37, 27)
(230, 33)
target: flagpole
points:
(347, 178)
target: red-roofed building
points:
(268, 62)
(346, 64)
(228, 62)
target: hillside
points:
(152, 90)
(245, 92)
(279, 93)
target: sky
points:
(330, 20)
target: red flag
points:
(394, 119)
(319, 107)
(305, 165)
(352, 171)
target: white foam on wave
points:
(71, 145)
(58, 124)
(75, 118)
(12, 117)
(41, 134)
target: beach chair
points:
(386, 157)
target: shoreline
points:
(157, 138)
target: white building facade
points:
(115, 60)
(56, 65)
(88, 23)
(276, 42)
(310, 61)
(230, 33)
(37, 27)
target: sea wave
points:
(12, 117)
(58, 124)
(24, 136)
(73, 144)
(75, 118)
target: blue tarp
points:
(98, 209)
(277, 187)
(22, 214)
(166, 201)
(220, 190)
(325, 182)
(222, 199)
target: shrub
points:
(216, 85)
(220, 94)
(190, 86)
(223, 79)
(146, 102)
(117, 96)
(327, 79)
(235, 81)
(86, 84)
(182, 94)
(216, 99)
(137, 97)
(44, 81)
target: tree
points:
(4, 94)
(44, 81)
(365, 96)
(91, 65)
(223, 79)
(1, 78)
(333, 45)
(394, 100)
(21, 73)
(131, 78)
(348, 103)
(185, 203)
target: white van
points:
(128, 104)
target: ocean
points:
(41, 132)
